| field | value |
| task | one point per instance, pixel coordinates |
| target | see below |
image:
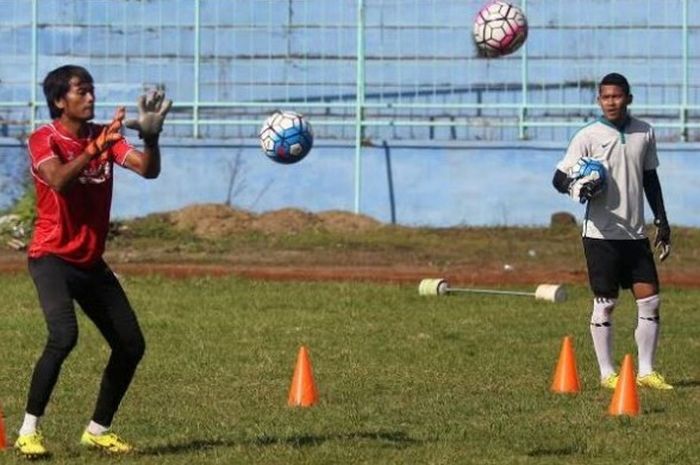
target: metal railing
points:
(384, 88)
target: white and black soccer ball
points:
(286, 137)
(500, 28)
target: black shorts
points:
(615, 264)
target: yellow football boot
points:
(610, 381)
(108, 442)
(31, 446)
(654, 381)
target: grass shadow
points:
(396, 439)
(690, 383)
(186, 447)
(554, 451)
(653, 410)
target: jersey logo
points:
(96, 174)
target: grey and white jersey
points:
(618, 211)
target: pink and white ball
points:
(500, 28)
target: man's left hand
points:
(153, 107)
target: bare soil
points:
(216, 220)
(218, 223)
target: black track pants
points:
(103, 300)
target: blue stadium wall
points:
(488, 184)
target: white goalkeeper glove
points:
(153, 107)
(585, 188)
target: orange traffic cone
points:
(625, 400)
(302, 392)
(3, 437)
(566, 380)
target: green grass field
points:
(402, 378)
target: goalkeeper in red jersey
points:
(71, 162)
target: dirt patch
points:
(285, 221)
(346, 255)
(343, 222)
(213, 221)
(14, 262)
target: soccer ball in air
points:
(286, 137)
(589, 167)
(500, 28)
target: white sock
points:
(96, 428)
(30, 424)
(647, 332)
(601, 332)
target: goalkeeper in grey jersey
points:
(618, 253)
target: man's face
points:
(613, 101)
(79, 102)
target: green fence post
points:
(197, 51)
(359, 101)
(35, 59)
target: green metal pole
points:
(522, 134)
(359, 101)
(684, 91)
(197, 48)
(35, 57)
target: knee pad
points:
(648, 308)
(602, 311)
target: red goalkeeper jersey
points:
(72, 225)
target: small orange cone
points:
(302, 392)
(625, 400)
(3, 437)
(566, 380)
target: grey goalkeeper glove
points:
(153, 107)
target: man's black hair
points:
(57, 84)
(615, 79)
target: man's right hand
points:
(662, 241)
(108, 136)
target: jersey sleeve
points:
(651, 159)
(120, 151)
(578, 148)
(40, 148)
